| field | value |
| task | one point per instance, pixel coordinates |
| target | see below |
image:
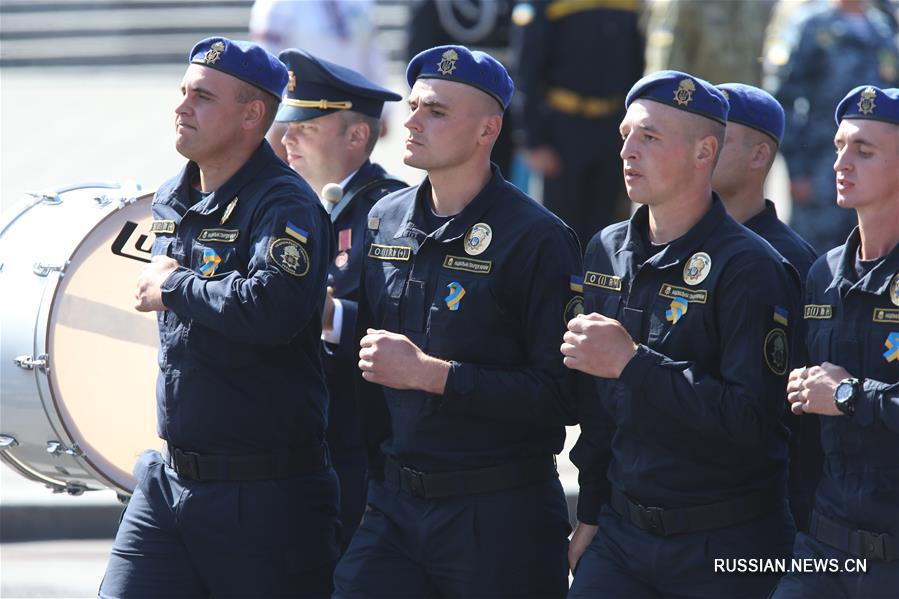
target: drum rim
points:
(46, 387)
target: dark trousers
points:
(182, 538)
(506, 544)
(625, 561)
(352, 472)
(880, 580)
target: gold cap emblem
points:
(683, 95)
(697, 268)
(214, 53)
(478, 239)
(291, 81)
(866, 104)
(447, 64)
(894, 290)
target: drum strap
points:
(199, 467)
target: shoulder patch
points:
(389, 252)
(162, 226)
(776, 351)
(574, 307)
(481, 267)
(818, 312)
(598, 279)
(290, 256)
(374, 223)
(222, 235)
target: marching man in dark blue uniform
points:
(333, 117)
(243, 502)
(686, 333)
(852, 383)
(755, 127)
(467, 284)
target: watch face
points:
(843, 392)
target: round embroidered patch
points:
(290, 256)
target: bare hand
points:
(392, 360)
(328, 310)
(543, 160)
(597, 345)
(148, 296)
(801, 190)
(580, 540)
(810, 390)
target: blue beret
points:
(869, 102)
(754, 107)
(316, 87)
(244, 60)
(683, 91)
(458, 63)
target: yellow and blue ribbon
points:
(211, 262)
(677, 310)
(892, 345)
(456, 291)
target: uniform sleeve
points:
(533, 56)
(541, 390)
(592, 452)
(878, 406)
(743, 401)
(284, 287)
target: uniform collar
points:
(876, 282)
(681, 248)
(365, 173)
(230, 188)
(456, 227)
(766, 216)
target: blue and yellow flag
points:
(781, 315)
(296, 232)
(577, 284)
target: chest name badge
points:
(456, 292)
(166, 227)
(598, 279)
(211, 262)
(678, 308)
(887, 315)
(697, 268)
(222, 235)
(389, 252)
(894, 290)
(818, 312)
(481, 267)
(290, 256)
(892, 345)
(694, 296)
(478, 239)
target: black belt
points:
(469, 482)
(194, 466)
(712, 516)
(860, 543)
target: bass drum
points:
(78, 365)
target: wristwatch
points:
(846, 394)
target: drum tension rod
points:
(56, 448)
(28, 363)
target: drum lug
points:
(46, 198)
(7, 441)
(56, 448)
(28, 363)
(42, 270)
(103, 200)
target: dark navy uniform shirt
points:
(785, 240)
(497, 312)
(367, 186)
(240, 371)
(696, 416)
(853, 322)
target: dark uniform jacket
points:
(240, 371)
(498, 316)
(368, 185)
(854, 323)
(696, 416)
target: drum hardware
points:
(42, 269)
(26, 362)
(103, 200)
(7, 441)
(56, 448)
(70, 488)
(52, 200)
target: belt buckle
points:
(873, 544)
(414, 480)
(652, 518)
(186, 464)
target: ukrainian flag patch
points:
(781, 315)
(576, 284)
(296, 232)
